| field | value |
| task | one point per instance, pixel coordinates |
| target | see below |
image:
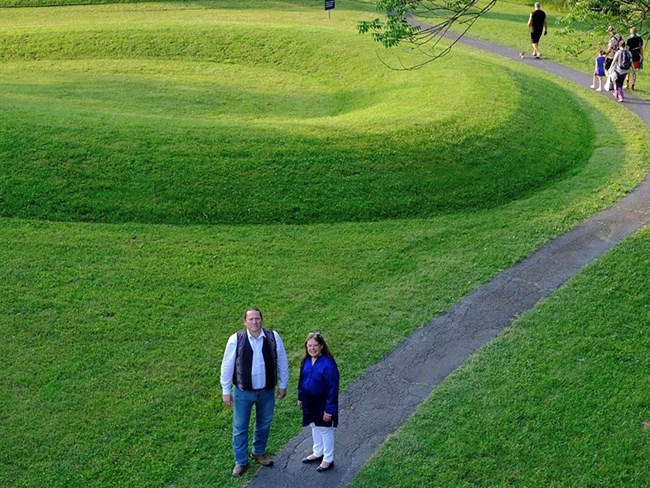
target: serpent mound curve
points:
(263, 123)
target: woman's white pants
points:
(323, 438)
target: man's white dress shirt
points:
(258, 371)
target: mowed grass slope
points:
(286, 108)
(113, 328)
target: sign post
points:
(329, 6)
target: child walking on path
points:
(599, 71)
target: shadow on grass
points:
(160, 169)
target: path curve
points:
(387, 394)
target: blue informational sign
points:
(329, 4)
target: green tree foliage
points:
(395, 28)
(398, 25)
(625, 13)
(599, 15)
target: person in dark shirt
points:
(635, 46)
(537, 25)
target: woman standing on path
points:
(318, 397)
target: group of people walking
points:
(254, 365)
(619, 64)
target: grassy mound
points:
(224, 121)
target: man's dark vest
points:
(244, 360)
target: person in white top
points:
(254, 364)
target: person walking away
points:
(635, 46)
(599, 71)
(256, 362)
(318, 397)
(621, 64)
(612, 47)
(537, 25)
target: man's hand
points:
(282, 392)
(227, 400)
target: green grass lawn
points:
(166, 165)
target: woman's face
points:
(314, 348)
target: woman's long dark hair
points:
(324, 352)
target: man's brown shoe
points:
(239, 469)
(263, 459)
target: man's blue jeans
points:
(243, 402)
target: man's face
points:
(253, 322)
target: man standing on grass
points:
(537, 25)
(253, 360)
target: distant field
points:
(55, 3)
(165, 165)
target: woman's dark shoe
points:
(311, 459)
(322, 468)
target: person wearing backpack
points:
(621, 64)
(612, 47)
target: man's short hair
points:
(253, 309)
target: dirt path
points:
(379, 402)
